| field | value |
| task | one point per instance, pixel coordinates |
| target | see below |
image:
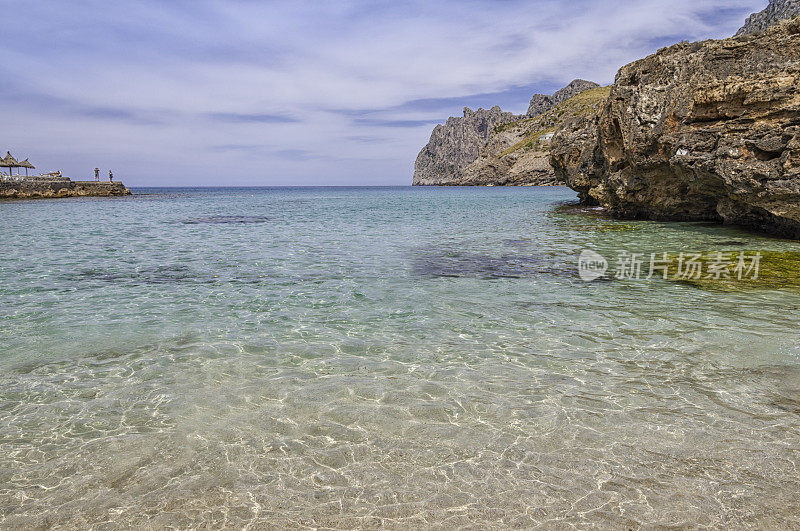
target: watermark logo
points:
(671, 266)
(591, 265)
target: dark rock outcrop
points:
(700, 131)
(776, 11)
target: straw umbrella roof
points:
(26, 164)
(10, 161)
(4, 164)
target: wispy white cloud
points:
(170, 92)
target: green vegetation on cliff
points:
(530, 129)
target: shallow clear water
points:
(403, 357)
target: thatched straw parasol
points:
(4, 164)
(27, 165)
(11, 162)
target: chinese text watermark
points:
(671, 266)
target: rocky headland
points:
(697, 131)
(492, 147)
(454, 145)
(518, 153)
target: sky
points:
(274, 93)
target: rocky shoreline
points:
(31, 188)
(705, 131)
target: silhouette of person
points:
(110, 176)
(97, 174)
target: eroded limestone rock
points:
(699, 131)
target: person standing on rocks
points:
(110, 176)
(97, 174)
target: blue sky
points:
(244, 92)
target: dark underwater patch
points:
(456, 264)
(225, 220)
(148, 275)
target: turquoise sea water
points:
(405, 357)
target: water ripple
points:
(400, 358)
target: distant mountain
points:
(454, 147)
(776, 11)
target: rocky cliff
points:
(448, 157)
(518, 153)
(776, 11)
(455, 145)
(702, 131)
(541, 103)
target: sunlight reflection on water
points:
(398, 357)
